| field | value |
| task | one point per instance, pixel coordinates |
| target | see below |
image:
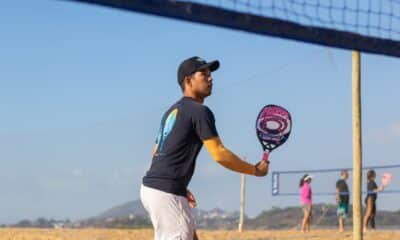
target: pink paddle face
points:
(273, 126)
(386, 179)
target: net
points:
(377, 18)
(286, 183)
(365, 25)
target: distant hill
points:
(134, 208)
(216, 219)
(133, 215)
(324, 215)
(133, 211)
(290, 217)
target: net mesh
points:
(377, 18)
(371, 26)
(286, 183)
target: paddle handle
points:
(266, 156)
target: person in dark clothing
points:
(370, 200)
(342, 199)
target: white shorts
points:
(170, 214)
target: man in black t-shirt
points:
(342, 199)
(184, 128)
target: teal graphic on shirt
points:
(166, 128)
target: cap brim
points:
(213, 65)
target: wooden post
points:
(357, 146)
(242, 202)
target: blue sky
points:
(83, 89)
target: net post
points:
(357, 146)
(242, 201)
(275, 183)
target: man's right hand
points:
(262, 168)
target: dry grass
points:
(146, 234)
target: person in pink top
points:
(306, 201)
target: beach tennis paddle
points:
(273, 127)
(386, 179)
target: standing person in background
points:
(370, 200)
(342, 199)
(306, 201)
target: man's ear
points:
(188, 81)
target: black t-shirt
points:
(371, 186)
(341, 185)
(183, 128)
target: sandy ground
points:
(107, 234)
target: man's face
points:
(201, 83)
(345, 175)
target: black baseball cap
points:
(194, 64)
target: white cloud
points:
(383, 135)
(395, 128)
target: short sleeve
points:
(371, 186)
(375, 186)
(204, 123)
